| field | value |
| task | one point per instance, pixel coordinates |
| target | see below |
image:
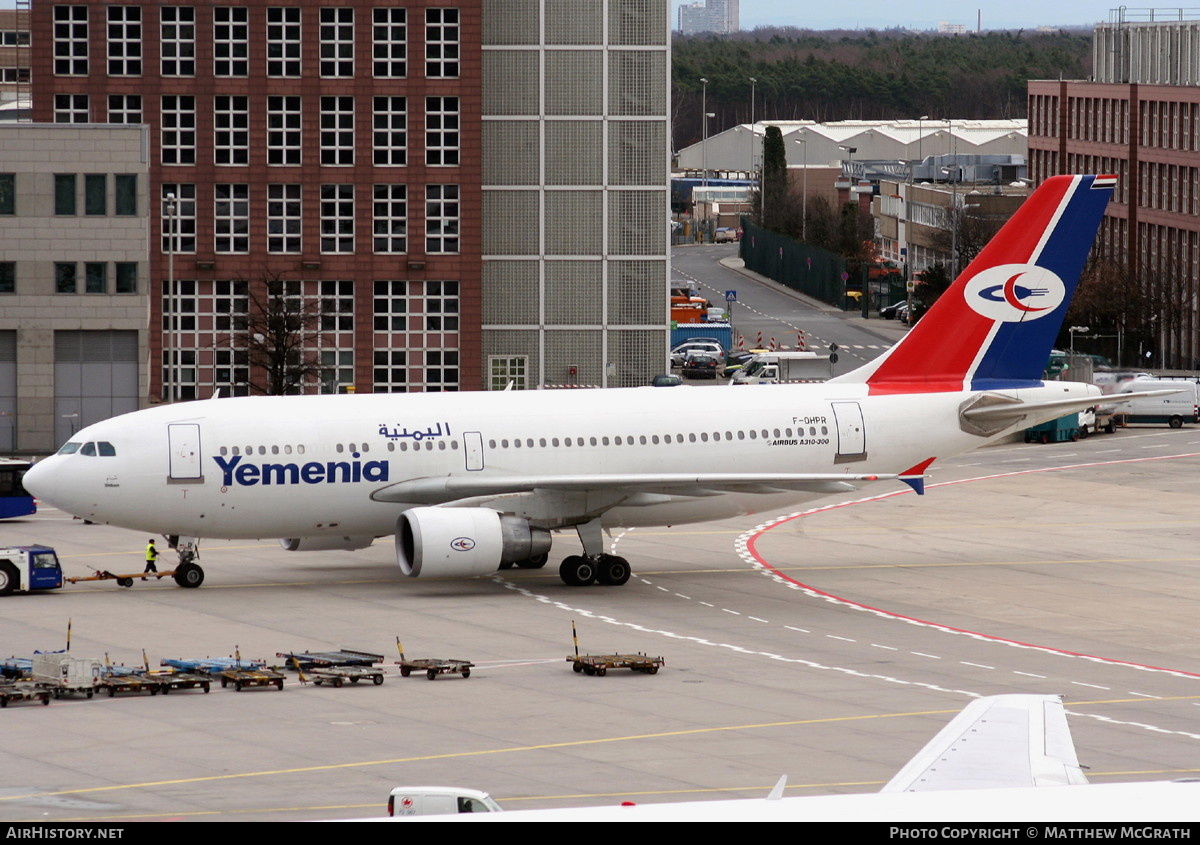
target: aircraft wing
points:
(638, 488)
(1000, 741)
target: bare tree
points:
(279, 334)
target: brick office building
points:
(340, 148)
(1138, 119)
(332, 147)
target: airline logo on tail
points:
(993, 329)
(1014, 292)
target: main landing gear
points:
(593, 566)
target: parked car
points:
(701, 365)
(666, 380)
(724, 235)
(734, 361)
(894, 311)
(680, 352)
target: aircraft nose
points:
(39, 479)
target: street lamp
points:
(704, 151)
(953, 222)
(804, 192)
(921, 137)
(172, 299)
(753, 83)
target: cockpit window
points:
(106, 449)
(88, 449)
(69, 448)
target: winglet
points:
(914, 477)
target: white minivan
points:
(439, 801)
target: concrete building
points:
(716, 16)
(575, 196)
(341, 149)
(74, 279)
(1139, 118)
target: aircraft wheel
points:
(613, 570)
(577, 571)
(535, 562)
(8, 578)
(189, 575)
(506, 565)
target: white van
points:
(1174, 410)
(439, 801)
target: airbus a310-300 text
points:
(474, 482)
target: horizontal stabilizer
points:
(1015, 410)
(998, 741)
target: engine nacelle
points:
(325, 544)
(463, 541)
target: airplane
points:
(991, 763)
(473, 482)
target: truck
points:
(779, 367)
(27, 568)
(439, 801)
(1174, 410)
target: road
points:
(776, 312)
(828, 645)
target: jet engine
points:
(463, 541)
(325, 544)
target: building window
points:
(124, 40)
(390, 132)
(337, 370)
(337, 130)
(70, 108)
(283, 130)
(124, 108)
(178, 45)
(8, 193)
(283, 41)
(178, 218)
(337, 218)
(178, 130)
(441, 131)
(64, 193)
(65, 277)
(71, 40)
(390, 41)
(283, 218)
(504, 370)
(95, 194)
(441, 218)
(231, 215)
(231, 41)
(337, 307)
(231, 305)
(337, 42)
(127, 276)
(419, 319)
(95, 277)
(390, 210)
(441, 43)
(8, 277)
(125, 194)
(231, 130)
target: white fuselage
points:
(308, 466)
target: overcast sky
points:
(910, 14)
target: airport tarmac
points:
(829, 646)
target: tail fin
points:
(996, 324)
